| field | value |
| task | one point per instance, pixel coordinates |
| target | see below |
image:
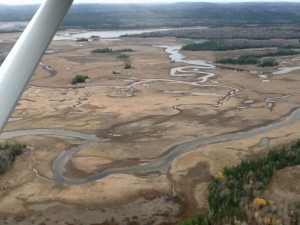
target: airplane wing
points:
(20, 64)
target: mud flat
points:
(139, 146)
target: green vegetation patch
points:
(226, 45)
(110, 50)
(217, 45)
(123, 56)
(236, 195)
(8, 154)
(255, 58)
(124, 50)
(268, 63)
(128, 66)
(82, 40)
(79, 79)
(211, 45)
(242, 60)
(230, 33)
(102, 50)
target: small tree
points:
(82, 40)
(127, 66)
(79, 79)
(123, 56)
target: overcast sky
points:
(139, 1)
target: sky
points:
(11, 2)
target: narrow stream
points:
(49, 132)
(160, 164)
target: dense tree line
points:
(211, 45)
(124, 50)
(253, 33)
(255, 58)
(226, 45)
(102, 50)
(110, 50)
(8, 154)
(239, 189)
(214, 45)
(241, 60)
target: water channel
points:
(160, 164)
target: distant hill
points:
(111, 16)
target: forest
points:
(237, 195)
(116, 16)
(226, 45)
(237, 32)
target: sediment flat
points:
(118, 124)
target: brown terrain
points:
(138, 117)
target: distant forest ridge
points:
(127, 16)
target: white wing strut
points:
(20, 64)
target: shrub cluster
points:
(8, 154)
(82, 40)
(79, 79)
(123, 56)
(128, 66)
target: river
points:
(106, 34)
(160, 164)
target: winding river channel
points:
(160, 164)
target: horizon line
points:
(158, 3)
